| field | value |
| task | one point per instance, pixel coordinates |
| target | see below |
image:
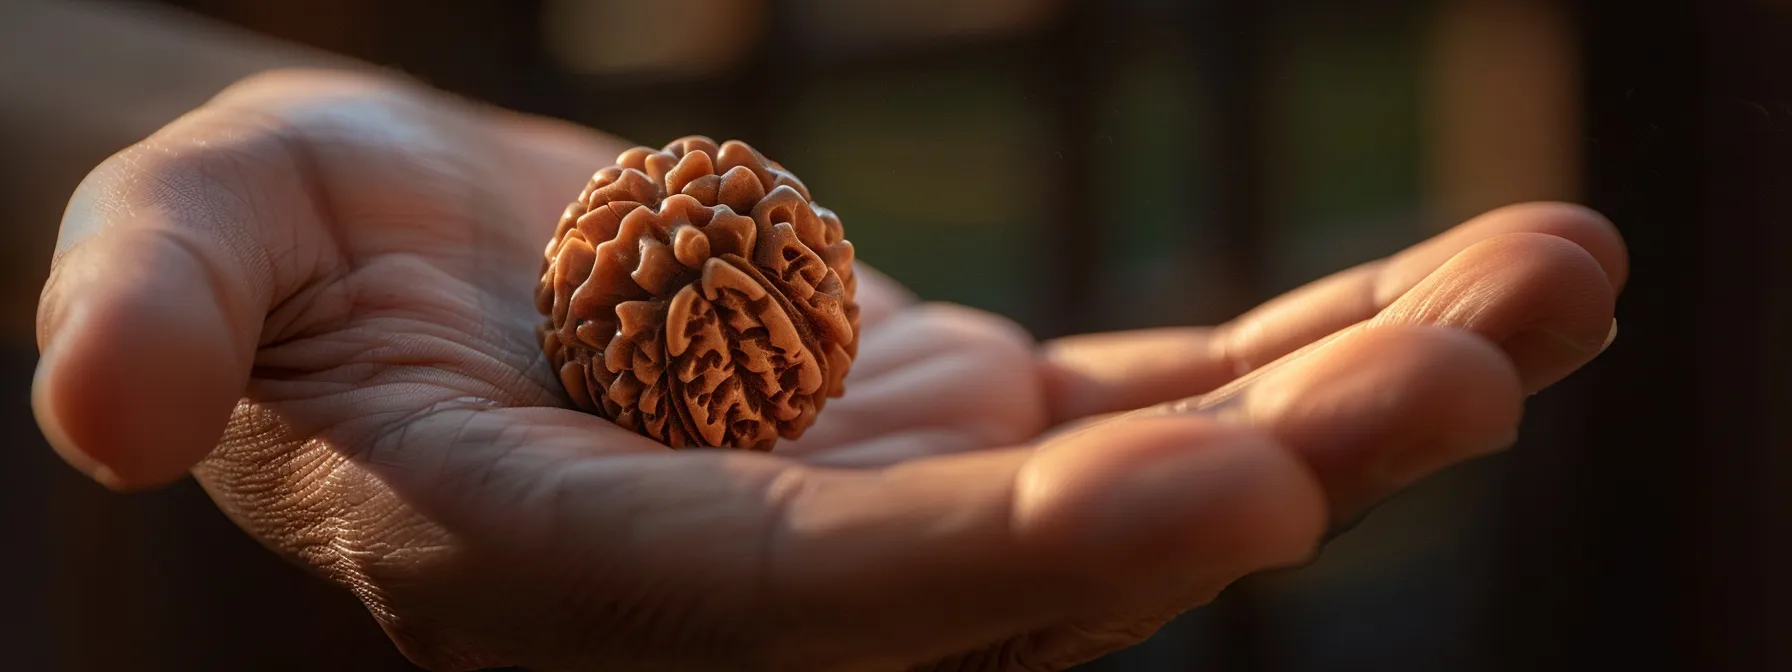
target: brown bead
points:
(698, 295)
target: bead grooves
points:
(698, 296)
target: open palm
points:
(315, 293)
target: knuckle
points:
(253, 127)
(203, 165)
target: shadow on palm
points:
(340, 273)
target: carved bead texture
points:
(698, 295)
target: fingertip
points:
(45, 409)
(1544, 299)
(138, 374)
(1383, 407)
(1473, 411)
(1578, 224)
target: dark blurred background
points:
(1076, 165)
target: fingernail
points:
(1573, 345)
(1610, 336)
(1545, 356)
(48, 422)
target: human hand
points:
(315, 294)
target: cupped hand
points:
(314, 294)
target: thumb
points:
(149, 321)
(937, 557)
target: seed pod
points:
(699, 296)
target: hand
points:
(314, 293)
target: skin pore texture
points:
(327, 284)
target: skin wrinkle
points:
(469, 318)
(1392, 278)
(327, 213)
(374, 405)
(551, 471)
(398, 522)
(1472, 300)
(319, 542)
(331, 212)
(540, 372)
(346, 532)
(349, 542)
(442, 470)
(446, 471)
(1473, 303)
(1458, 304)
(319, 308)
(195, 196)
(404, 273)
(179, 151)
(239, 174)
(499, 447)
(504, 336)
(485, 470)
(437, 357)
(588, 562)
(333, 265)
(393, 436)
(418, 355)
